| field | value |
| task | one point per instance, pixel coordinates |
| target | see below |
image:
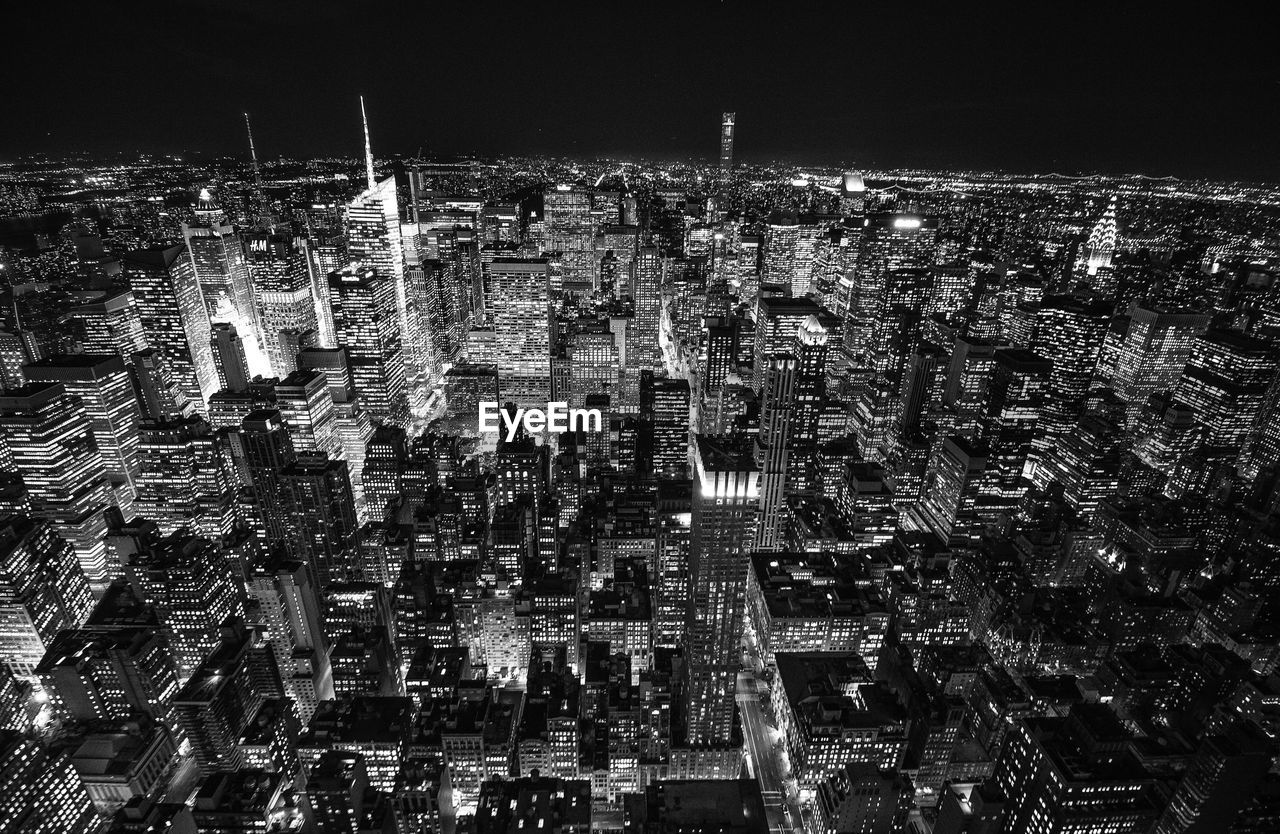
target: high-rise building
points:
(727, 121)
(790, 247)
(889, 242)
(643, 350)
(1072, 774)
(1069, 333)
(185, 478)
(594, 362)
(953, 486)
(338, 787)
(1153, 354)
(229, 358)
(1101, 245)
(102, 384)
(224, 693)
(864, 799)
(174, 319)
(725, 511)
(365, 323)
(111, 325)
(519, 295)
(189, 582)
(42, 591)
(853, 190)
(1016, 395)
(1224, 384)
(284, 601)
(664, 406)
(218, 261)
(110, 670)
(374, 243)
(284, 292)
(1222, 775)
(40, 792)
(322, 513)
(264, 449)
(49, 439)
(307, 408)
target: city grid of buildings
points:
(920, 502)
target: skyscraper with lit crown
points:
(725, 509)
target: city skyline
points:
(362, 491)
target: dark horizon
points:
(983, 90)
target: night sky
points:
(1074, 88)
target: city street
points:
(767, 757)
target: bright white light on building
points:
(906, 223)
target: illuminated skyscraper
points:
(374, 243)
(102, 384)
(569, 229)
(594, 362)
(263, 450)
(42, 591)
(284, 292)
(40, 792)
(323, 517)
(664, 406)
(1018, 385)
(50, 439)
(726, 145)
(890, 241)
(790, 246)
(218, 257)
(233, 680)
(284, 599)
(777, 321)
(307, 407)
(1074, 774)
(643, 348)
(189, 582)
(111, 325)
(113, 669)
(185, 479)
(853, 192)
(1153, 354)
(366, 324)
(1101, 246)
(1069, 332)
(326, 252)
(725, 511)
(519, 294)
(810, 349)
(1225, 383)
(174, 318)
(954, 482)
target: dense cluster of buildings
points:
(916, 509)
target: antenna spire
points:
(253, 154)
(368, 149)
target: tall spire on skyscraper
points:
(1102, 240)
(253, 155)
(368, 149)
(264, 219)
